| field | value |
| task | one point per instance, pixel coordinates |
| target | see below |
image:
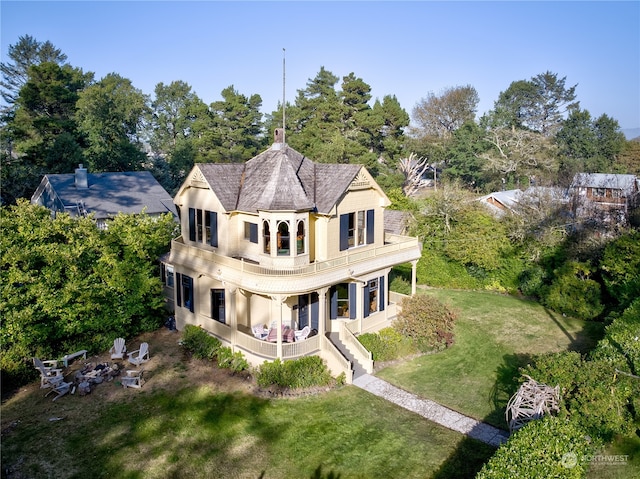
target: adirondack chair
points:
(60, 390)
(118, 349)
(303, 333)
(49, 376)
(139, 356)
(260, 332)
(133, 379)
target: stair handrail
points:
(361, 354)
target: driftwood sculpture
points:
(532, 401)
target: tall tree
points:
(440, 115)
(111, 114)
(23, 54)
(392, 122)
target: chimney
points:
(278, 138)
(82, 180)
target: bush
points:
(427, 321)
(200, 343)
(621, 343)
(387, 345)
(229, 360)
(549, 447)
(305, 372)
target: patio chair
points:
(303, 333)
(60, 390)
(49, 376)
(133, 379)
(139, 356)
(260, 332)
(118, 349)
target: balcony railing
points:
(393, 244)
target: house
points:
(501, 202)
(522, 202)
(604, 196)
(281, 244)
(103, 194)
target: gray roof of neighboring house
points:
(279, 179)
(626, 183)
(108, 194)
(396, 221)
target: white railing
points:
(256, 346)
(336, 361)
(400, 243)
(301, 348)
(362, 354)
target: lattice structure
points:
(532, 401)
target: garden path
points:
(433, 411)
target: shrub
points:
(621, 343)
(229, 360)
(548, 447)
(386, 345)
(427, 321)
(304, 372)
(200, 343)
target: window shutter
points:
(163, 273)
(253, 233)
(179, 289)
(333, 298)
(190, 286)
(370, 226)
(381, 293)
(315, 311)
(367, 306)
(352, 300)
(344, 232)
(192, 224)
(213, 221)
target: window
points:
(167, 275)
(266, 236)
(217, 305)
(300, 238)
(356, 229)
(599, 192)
(203, 226)
(283, 238)
(343, 301)
(371, 296)
(251, 232)
(184, 292)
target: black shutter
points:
(367, 306)
(353, 288)
(253, 233)
(370, 226)
(303, 311)
(381, 293)
(344, 232)
(213, 222)
(179, 289)
(190, 286)
(315, 311)
(333, 298)
(192, 224)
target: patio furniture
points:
(133, 379)
(49, 376)
(60, 390)
(303, 333)
(260, 332)
(118, 349)
(68, 357)
(139, 356)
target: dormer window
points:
(356, 229)
(266, 236)
(283, 239)
(300, 238)
(284, 235)
(203, 226)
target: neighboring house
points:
(606, 197)
(501, 202)
(103, 194)
(281, 244)
(513, 201)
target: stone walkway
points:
(433, 411)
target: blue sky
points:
(406, 49)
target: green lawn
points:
(494, 335)
(195, 433)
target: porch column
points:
(414, 275)
(322, 310)
(279, 299)
(233, 318)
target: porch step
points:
(358, 369)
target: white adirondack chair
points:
(60, 389)
(303, 333)
(133, 379)
(49, 375)
(139, 356)
(118, 349)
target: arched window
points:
(283, 238)
(300, 238)
(266, 236)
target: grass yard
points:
(191, 420)
(494, 335)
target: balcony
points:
(292, 280)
